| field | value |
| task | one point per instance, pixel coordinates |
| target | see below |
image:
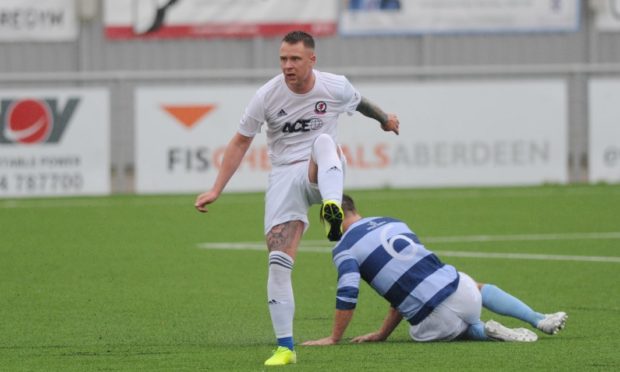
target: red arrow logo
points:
(188, 115)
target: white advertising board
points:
(461, 134)
(604, 147)
(38, 20)
(364, 17)
(54, 142)
(452, 134)
(181, 134)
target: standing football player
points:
(300, 108)
(439, 302)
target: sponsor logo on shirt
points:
(302, 125)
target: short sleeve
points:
(351, 97)
(253, 117)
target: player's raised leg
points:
(282, 241)
(326, 169)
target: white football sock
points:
(330, 174)
(280, 293)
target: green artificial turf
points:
(129, 282)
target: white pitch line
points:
(529, 256)
(523, 237)
(506, 238)
(325, 247)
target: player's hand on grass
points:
(204, 199)
(321, 342)
(392, 124)
(370, 337)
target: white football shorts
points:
(289, 195)
(453, 316)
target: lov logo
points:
(31, 121)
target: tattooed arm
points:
(389, 122)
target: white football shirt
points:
(295, 120)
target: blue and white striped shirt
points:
(388, 255)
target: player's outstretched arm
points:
(392, 320)
(234, 153)
(389, 122)
(342, 318)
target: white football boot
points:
(498, 332)
(553, 323)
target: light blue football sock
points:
(286, 342)
(500, 302)
(476, 332)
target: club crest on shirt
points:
(320, 107)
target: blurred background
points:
(124, 96)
